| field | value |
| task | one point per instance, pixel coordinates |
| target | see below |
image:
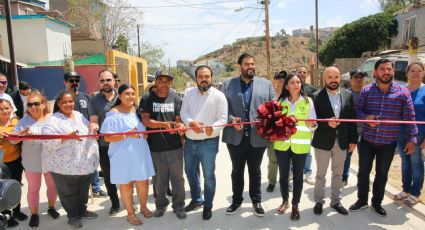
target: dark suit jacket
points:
(324, 136)
(262, 92)
(18, 104)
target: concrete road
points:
(399, 216)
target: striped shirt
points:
(209, 108)
(396, 104)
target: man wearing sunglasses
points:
(82, 105)
(101, 103)
(3, 87)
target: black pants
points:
(284, 159)
(73, 192)
(240, 155)
(16, 170)
(105, 165)
(384, 156)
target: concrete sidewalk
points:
(399, 216)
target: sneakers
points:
(344, 182)
(181, 214)
(258, 209)
(309, 178)
(75, 222)
(11, 223)
(100, 194)
(34, 221)
(270, 188)
(358, 206)
(88, 215)
(114, 210)
(206, 213)
(20, 216)
(378, 209)
(232, 208)
(53, 213)
(193, 205)
(159, 212)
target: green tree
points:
(388, 4)
(370, 33)
(121, 44)
(179, 79)
(154, 55)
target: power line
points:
(183, 5)
(258, 23)
(225, 35)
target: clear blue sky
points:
(197, 27)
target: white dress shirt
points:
(209, 108)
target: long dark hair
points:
(285, 92)
(121, 89)
(59, 98)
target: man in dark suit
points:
(244, 95)
(20, 98)
(332, 139)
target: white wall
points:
(36, 39)
(420, 31)
(58, 40)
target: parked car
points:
(400, 63)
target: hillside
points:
(287, 53)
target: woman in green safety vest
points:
(295, 102)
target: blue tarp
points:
(48, 80)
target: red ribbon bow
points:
(275, 125)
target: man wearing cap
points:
(20, 98)
(357, 82)
(272, 166)
(309, 90)
(160, 110)
(204, 109)
(82, 105)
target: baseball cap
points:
(356, 72)
(68, 75)
(163, 73)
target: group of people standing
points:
(183, 135)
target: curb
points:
(418, 209)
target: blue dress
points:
(130, 158)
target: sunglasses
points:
(3, 82)
(72, 81)
(105, 80)
(34, 104)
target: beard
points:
(204, 86)
(332, 85)
(384, 81)
(107, 89)
(249, 73)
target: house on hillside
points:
(410, 24)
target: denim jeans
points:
(412, 167)
(307, 164)
(95, 184)
(201, 152)
(347, 164)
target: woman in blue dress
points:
(130, 157)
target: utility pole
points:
(266, 8)
(13, 67)
(317, 34)
(138, 41)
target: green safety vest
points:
(301, 140)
